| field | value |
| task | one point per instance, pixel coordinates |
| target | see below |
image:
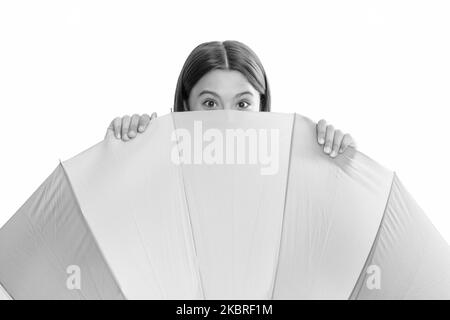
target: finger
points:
(154, 115)
(338, 136)
(117, 127)
(329, 136)
(144, 120)
(132, 131)
(321, 129)
(125, 126)
(347, 141)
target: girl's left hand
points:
(333, 141)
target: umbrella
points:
(222, 205)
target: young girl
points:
(224, 75)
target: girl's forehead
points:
(222, 82)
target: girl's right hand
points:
(126, 128)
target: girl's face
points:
(224, 89)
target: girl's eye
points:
(209, 103)
(243, 105)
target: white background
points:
(379, 70)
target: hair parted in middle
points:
(225, 55)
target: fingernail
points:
(333, 154)
(141, 128)
(340, 150)
(321, 140)
(327, 149)
(118, 136)
(131, 133)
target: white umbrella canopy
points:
(222, 205)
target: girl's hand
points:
(126, 128)
(333, 141)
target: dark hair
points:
(226, 55)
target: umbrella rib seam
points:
(183, 187)
(44, 241)
(90, 231)
(284, 208)
(357, 287)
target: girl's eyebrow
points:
(208, 91)
(242, 93)
(215, 94)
